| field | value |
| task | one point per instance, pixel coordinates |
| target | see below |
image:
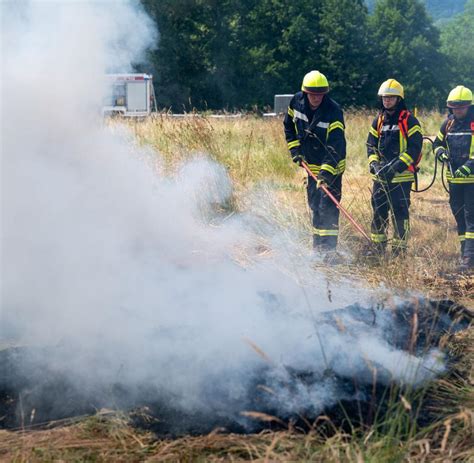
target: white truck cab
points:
(129, 95)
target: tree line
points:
(236, 54)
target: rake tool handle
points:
(338, 204)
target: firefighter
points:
(314, 131)
(454, 145)
(394, 145)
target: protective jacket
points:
(457, 137)
(317, 135)
(394, 140)
(393, 137)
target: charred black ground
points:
(32, 392)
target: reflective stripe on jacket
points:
(387, 142)
(457, 137)
(320, 140)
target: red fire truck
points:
(129, 95)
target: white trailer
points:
(129, 95)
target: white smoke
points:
(120, 263)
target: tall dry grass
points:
(253, 149)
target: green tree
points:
(238, 53)
(457, 38)
(281, 40)
(281, 45)
(180, 63)
(232, 53)
(407, 48)
(344, 41)
(285, 39)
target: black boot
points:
(332, 257)
(399, 250)
(466, 265)
(316, 243)
(375, 250)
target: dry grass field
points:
(253, 150)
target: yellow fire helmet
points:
(459, 97)
(315, 82)
(391, 87)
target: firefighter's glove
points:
(324, 177)
(462, 172)
(388, 171)
(442, 155)
(298, 158)
(375, 167)
(399, 166)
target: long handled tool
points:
(337, 203)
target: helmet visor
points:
(316, 90)
(458, 103)
(390, 92)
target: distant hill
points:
(438, 9)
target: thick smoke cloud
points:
(119, 264)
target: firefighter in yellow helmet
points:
(314, 131)
(454, 145)
(394, 145)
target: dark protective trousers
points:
(391, 200)
(325, 214)
(461, 200)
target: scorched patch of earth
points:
(34, 390)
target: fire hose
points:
(433, 179)
(443, 166)
(416, 190)
(337, 203)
